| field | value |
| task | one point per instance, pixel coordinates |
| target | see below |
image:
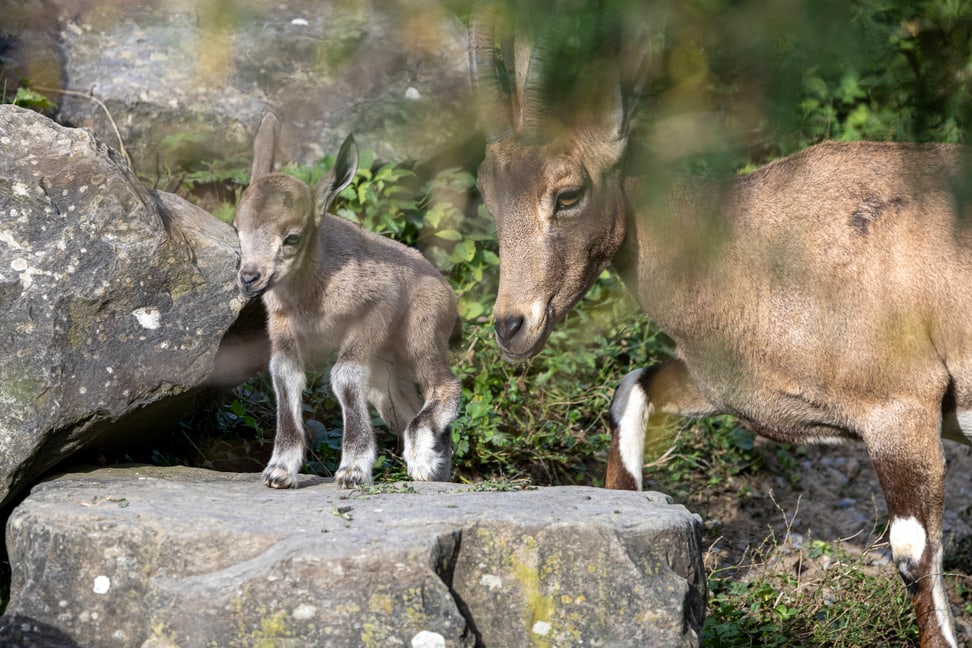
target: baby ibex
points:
(328, 286)
(824, 297)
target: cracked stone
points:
(197, 558)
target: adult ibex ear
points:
(622, 84)
(635, 68)
(265, 146)
(345, 166)
(602, 110)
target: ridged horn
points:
(494, 108)
(532, 95)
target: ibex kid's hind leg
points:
(349, 381)
(910, 465)
(662, 390)
(287, 372)
(393, 393)
(428, 437)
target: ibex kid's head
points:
(551, 179)
(278, 215)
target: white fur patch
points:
(942, 609)
(908, 540)
(630, 411)
(348, 374)
(292, 379)
(424, 464)
(960, 425)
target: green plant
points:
(27, 98)
(807, 594)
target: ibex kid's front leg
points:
(662, 390)
(287, 371)
(349, 381)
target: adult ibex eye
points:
(291, 240)
(569, 198)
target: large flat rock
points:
(144, 556)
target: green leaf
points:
(463, 252)
(449, 235)
(470, 310)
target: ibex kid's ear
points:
(345, 166)
(265, 146)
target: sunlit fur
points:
(822, 297)
(332, 289)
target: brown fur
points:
(329, 288)
(825, 296)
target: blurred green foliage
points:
(780, 76)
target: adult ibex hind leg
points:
(643, 396)
(910, 464)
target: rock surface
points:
(190, 79)
(112, 297)
(143, 556)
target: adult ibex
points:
(826, 296)
(331, 287)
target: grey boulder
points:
(144, 556)
(113, 298)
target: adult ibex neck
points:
(675, 236)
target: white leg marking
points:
(630, 411)
(958, 426)
(358, 451)
(288, 449)
(350, 374)
(289, 377)
(943, 610)
(908, 541)
(424, 463)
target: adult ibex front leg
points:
(643, 397)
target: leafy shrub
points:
(815, 595)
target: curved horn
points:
(532, 97)
(493, 106)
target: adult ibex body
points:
(331, 287)
(826, 296)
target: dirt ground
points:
(831, 495)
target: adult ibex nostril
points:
(507, 327)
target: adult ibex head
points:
(552, 175)
(832, 303)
